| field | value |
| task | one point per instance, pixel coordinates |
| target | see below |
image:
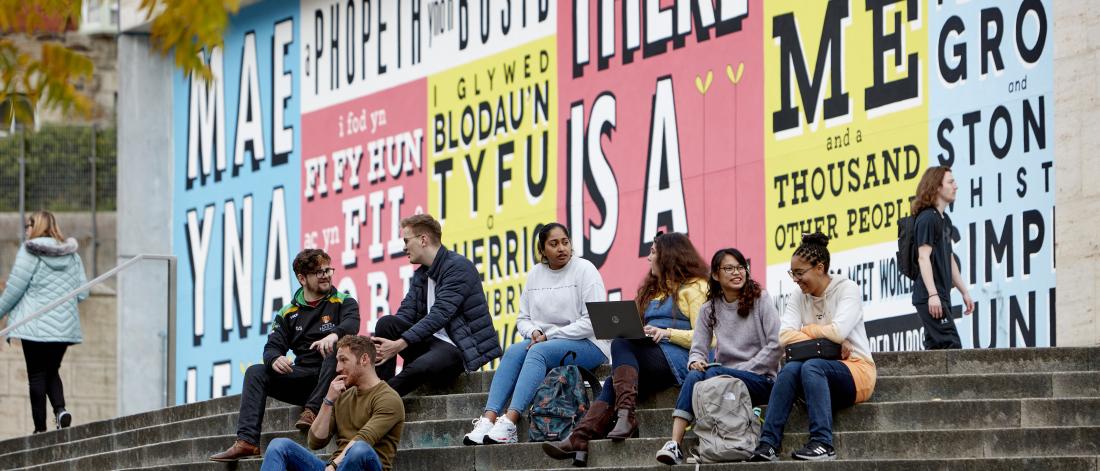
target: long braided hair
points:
(750, 293)
(814, 249)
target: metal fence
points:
(59, 169)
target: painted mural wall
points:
(740, 123)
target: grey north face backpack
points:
(727, 428)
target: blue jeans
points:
(286, 454)
(759, 387)
(826, 386)
(521, 370)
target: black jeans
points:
(939, 334)
(303, 386)
(43, 362)
(431, 360)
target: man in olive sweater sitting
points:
(364, 413)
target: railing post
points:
(170, 360)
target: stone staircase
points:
(972, 410)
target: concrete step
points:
(901, 445)
(995, 360)
(957, 362)
(941, 362)
(913, 447)
(928, 415)
(888, 416)
(887, 389)
(186, 450)
(436, 421)
(1054, 463)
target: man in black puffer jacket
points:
(443, 326)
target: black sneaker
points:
(764, 452)
(63, 419)
(815, 451)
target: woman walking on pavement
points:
(46, 267)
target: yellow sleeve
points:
(690, 299)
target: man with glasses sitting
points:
(310, 325)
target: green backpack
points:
(560, 401)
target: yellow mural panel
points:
(492, 144)
(845, 120)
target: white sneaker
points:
(670, 454)
(477, 436)
(504, 431)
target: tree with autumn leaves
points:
(50, 77)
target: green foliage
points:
(188, 27)
(58, 169)
(51, 79)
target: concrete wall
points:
(1077, 171)
(144, 221)
(102, 88)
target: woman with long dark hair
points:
(741, 320)
(829, 307)
(553, 321)
(668, 301)
(46, 266)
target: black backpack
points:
(907, 246)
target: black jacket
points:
(459, 307)
(298, 325)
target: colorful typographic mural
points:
(740, 123)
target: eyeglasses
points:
(731, 269)
(798, 274)
(324, 272)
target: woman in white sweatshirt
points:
(829, 307)
(553, 321)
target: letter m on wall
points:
(792, 62)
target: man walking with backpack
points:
(937, 269)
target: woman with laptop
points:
(553, 321)
(829, 362)
(740, 320)
(668, 301)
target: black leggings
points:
(43, 362)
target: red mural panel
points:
(363, 169)
(660, 129)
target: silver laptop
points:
(615, 320)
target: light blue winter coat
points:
(45, 270)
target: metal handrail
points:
(170, 376)
(97, 280)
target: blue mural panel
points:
(235, 205)
(992, 121)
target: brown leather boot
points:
(625, 380)
(305, 420)
(240, 449)
(575, 446)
